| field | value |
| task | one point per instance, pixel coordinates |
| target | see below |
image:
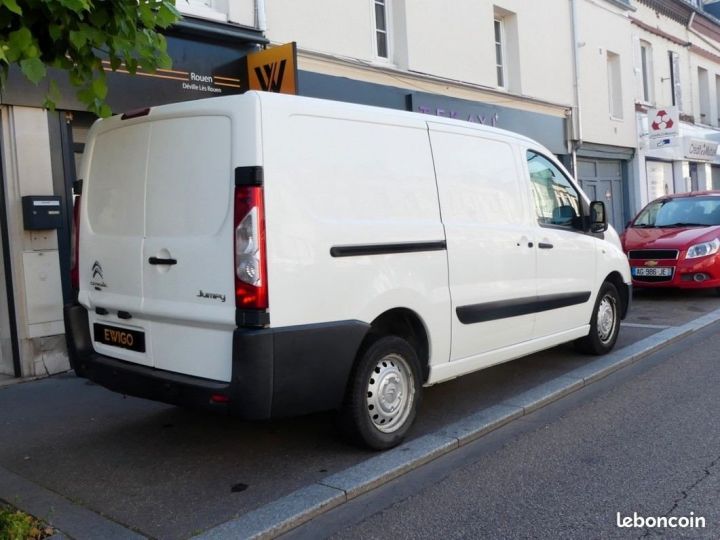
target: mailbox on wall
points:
(41, 212)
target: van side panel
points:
(340, 180)
(492, 259)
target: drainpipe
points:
(577, 124)
(260, 15)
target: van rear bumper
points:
(275, 371)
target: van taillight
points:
(251, 287)
(75, 245)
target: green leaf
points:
(77, 6)
(19, 40)
(166, 15)
(99, 87)
(34, 69)
(105, 111)
(55, 31)
(11, 5)
(78, 38)
(54, 91)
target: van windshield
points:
(683, 212)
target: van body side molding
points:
(492, 311)
(385, 249)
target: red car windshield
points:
(682, 212)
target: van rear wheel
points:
(382, 394)
(605, 322)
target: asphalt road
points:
(168, 472)
(646, 441)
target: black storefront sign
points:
(201, 69)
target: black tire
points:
(386, 375)
(603, 334)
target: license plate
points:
(660, 271)
(133, 340)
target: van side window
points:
(556, 200)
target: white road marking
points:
(641, 325)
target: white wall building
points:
(677, 64)
(577, 75)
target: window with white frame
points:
(500, 52)
(704, 95)
(646, 65)
(382, 37)
(207, 9)
(675, 86)
(615, 102)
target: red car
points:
(675, 242)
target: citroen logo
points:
(97, 271)
(651, 263)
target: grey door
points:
(601, 180)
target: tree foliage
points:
(84, 38)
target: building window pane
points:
(704, 95)
(675, 79)
(499, 50)
(380, 16)
(647, 79)
(615, 102)
(381, 29)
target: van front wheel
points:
(605, 322)
(382, 394)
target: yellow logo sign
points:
(651, 263)
(273, 70)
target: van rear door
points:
(159, 201)
(111, 269)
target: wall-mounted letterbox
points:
(41, 212)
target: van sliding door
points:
(489, 240)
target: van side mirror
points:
(598, 217)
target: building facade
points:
(579, 76)
(677, 65)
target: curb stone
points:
(72, 519)
(293, 510)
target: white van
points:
(276, 255)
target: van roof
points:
(386, 111)
(405, 117)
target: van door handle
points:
(156, 260)
(543, 245)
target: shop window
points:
(646, 67)
(614, 79)
(216, 10)
(704, 96)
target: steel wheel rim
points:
(390, 393)
(606, 318)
